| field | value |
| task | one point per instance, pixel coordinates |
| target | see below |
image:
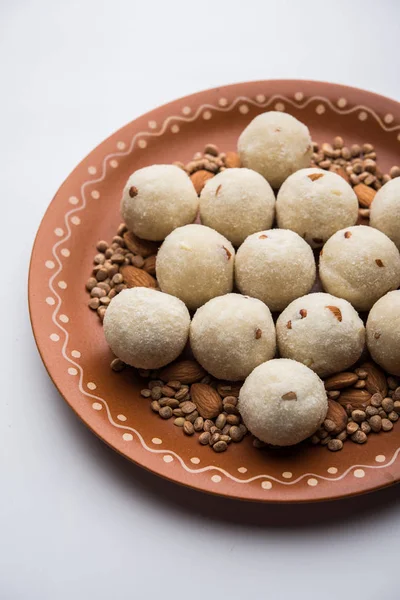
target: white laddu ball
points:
(275, 266)
(316, 203)
(282, 402)
(157, 199)
(322, 332)
(231, 335)
(146, 328)
(237, 202)
(195, 263)
(360, 264)
(383, 332)
(276, 145)
(385, 210)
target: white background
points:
(78, 521)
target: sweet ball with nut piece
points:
(383, 332)
(275, 145)
(283, 402)
(236, 203)
(275, 266)
(156, 200)
(195, 263)
(323, 332)
(231, 335)
(385, 210)
(146, 328)
(360, 264)
(316, 203)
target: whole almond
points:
(356, 398)
(340, 380)
(338, 415)
(138, 246)
(376, 381)
(134, 277)
(185, 371)
(199, 179)
(232, 160)
(150, 264)
(207, 400)
(364, 194)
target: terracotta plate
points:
(70, 338)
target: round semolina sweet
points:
(275, 266)
(316, 203)
(385, 210)
(236, 203)
(360, 264)
(195, 263)
(322, 332)
(231, 335)
(275, 145)
(146, 328)
(157, 199)
(282, 402)
(383, 332)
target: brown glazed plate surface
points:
(70, 337)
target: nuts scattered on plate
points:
(195, 264)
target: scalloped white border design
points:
(278, 99)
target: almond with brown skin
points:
(289, 396)
(338, 415)
(356, 398)
(185, 371)
(315, 176)
(138, 246)
(343, 174)
(375, 381)
(150, 264)
(207, 400)
(134, 277)
(340, 381)
(232, 160)
(199, 179)
(364, 194)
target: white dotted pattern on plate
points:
(279, 103)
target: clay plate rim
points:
(384, 111)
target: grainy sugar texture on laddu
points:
(146, 328)
(321, 331)
(283, 402)
(275, 144)
(156, 200)
(236, 203)
(231, 335)
(275, 266)
(360, 264)
(385, 210)
(195, 263)
(383, 332)
(316, 203)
